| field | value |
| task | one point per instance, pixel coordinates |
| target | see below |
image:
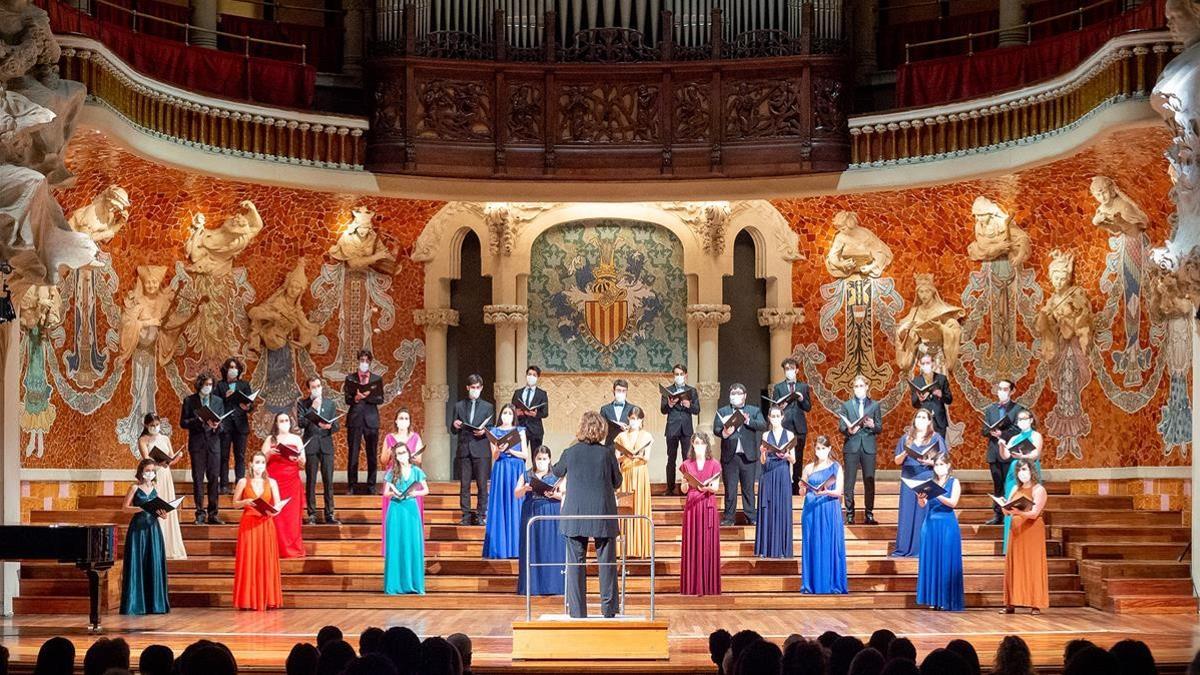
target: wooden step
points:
(1152, 604)
(1070, 534)
(1123, 550)
(1166, 586)
(1141, 569)
(1112, 518)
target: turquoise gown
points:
(822, 540)
(404, 554)
(144, 572)
(940, 572)
(1010, 482)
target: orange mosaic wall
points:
(296, 223)
(929, 229)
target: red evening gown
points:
(288, 523)
(256, 581)
(701, 564)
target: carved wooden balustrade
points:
(215, 125)
(608, 104)
(1125, 68)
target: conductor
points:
(593, 476)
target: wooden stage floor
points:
(261, 639)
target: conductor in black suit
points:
(739, 452)
(236, 427)
(937, 398)
(617, 411)
(795, 413)
(362, 421)
(593, 476)
(679, 410)
(204, 447)
(473, 450)
(319, 452)
(530, 416)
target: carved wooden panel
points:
(829, 115)
(453, 110)
(766, 108)
(524, 121)
(692, 117)
(607, 112)
(387, 113)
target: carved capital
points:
(435, 393)
(782, 318)
(502, 393)
(436, 316)
(709, 220)
(707, 316)
(709, 390)
(505, 314)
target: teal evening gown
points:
(144, 568)
(404, 553)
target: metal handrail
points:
(1028, 26)
(190, 27)
(299, 8)
(565, 564)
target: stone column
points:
(436, 392)
(866, 21)
(10, 451)
(1012, 15)
(780, 320)
(708, 319)
(204, 15)
(505, 318)
(352, 38)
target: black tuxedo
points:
(936, 406)
(610, 414)
(679, 428)
(204, 450)
(795, 420)
(534, 431)
(234, 431)
(859, 450)
(362, 425)
(318, 451)
(997, 465)
(473, 455)
(740, 468)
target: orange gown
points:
(256, 581)
(1026, 574)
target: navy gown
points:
(773, 535)
(823, 539)
(549, 546)
(502, 534)
(144, 568)
(911, 516)
(940, 572)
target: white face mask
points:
(860, 392)
(942, 470)
(927, 368)
(315, 392)
(635, 424)
(619, 397)
(1023, 475)
(232, 373)
(403, 423)
(822, 452)
(700, 449)
(1002, 395)
(363, 366)
(921, 424)
(283, 427)
(149, 476)
(402, 457)
(737, 400)
(543, 464)
(206, 390)
(790, 374)
(776, 421)
(680, 379)
(1025, 425)
(153, 431)
(258, 468)
(506, 418)
(531, 380)
(474, 392)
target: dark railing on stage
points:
(608, 102)
(622, 563)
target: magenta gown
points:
(701, 564)
(390, 441)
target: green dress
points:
(404, 552)
(144, 568)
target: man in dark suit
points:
(616, 414)
(533, 406)
(679, 409)
(795, 413)
(362, 422)
(936, 399)
(236, 427)
(204, 447)
(860, 420)
(1004, 411)
(593, 476)
(318, 448)
(739, 452)
(473, 452)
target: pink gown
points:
(701, 564)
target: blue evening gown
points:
(908, 523)
(773, 535)
(144, 572)
(823, 540)
(940, 572)
(502, 535)
(549, 546)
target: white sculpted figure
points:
(146, 308)
(360, 246)
(996, 236)
(105, 216)
(273, 323)
(1176, 98)
(855, 249)
(1115, 211)
(211, 251)
(1067, 313)
(932, 322)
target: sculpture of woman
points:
(855, 249)
(211, 251)
(360, 247)
(931, 322)
(273, 323)
(996, 236)
(1067, 313)
(1115, 211)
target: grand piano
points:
(90, 547)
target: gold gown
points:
(635, 479)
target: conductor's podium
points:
(559, 637)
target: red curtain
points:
(324, 43)
(210, 71)
(956, 78)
